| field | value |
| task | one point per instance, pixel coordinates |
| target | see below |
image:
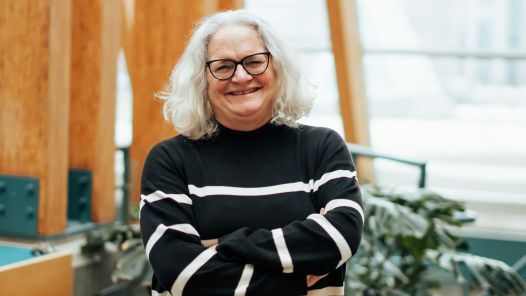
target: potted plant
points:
(407, 249)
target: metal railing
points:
(358, 151)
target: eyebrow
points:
(235, 60)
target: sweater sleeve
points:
(320, 243)
(181, 264)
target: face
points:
(243, 102)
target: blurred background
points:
(439, 82)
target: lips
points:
(243, 91)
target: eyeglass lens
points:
(253, 64)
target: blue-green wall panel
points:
(507, 251)
(19, 205)
(79, 195)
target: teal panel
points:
(11, 254)
(504, 250)
(19, 205)
(79, 195)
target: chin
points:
(249, 108)
(247, 112)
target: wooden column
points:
(349, 71)
(35, 41)
(155, 36)
(230, 4)
(95, 46)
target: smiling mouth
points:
(243, 91)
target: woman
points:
(246, 201)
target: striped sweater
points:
(239, 214)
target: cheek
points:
(270, 84)
(215, 89)
(269, 78)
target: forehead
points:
(234, 42)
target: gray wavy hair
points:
(187, 105)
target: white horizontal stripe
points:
(341, 243)
(327, 291)
(336, 203)
(159, 195)
(161, 229)
(165, 293)
(283, 251)
(333, 175)
(268, 190)
(248, 191)
(244, 281)
(190, 269)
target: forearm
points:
(317, 245)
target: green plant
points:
(131, 265)
(406, 244)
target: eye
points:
(222, 66)
(253, 63)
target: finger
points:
(312, 279)
(209, 242)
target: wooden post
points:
(348, 60)
(230, 4)
(155, 36)
(34, 100)
(95, 46)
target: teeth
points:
(244, 92)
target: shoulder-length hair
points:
(187, 106)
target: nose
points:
(241, 74)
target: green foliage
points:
(406, 243)
(131, 264)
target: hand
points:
(209, 242)
(312, 279)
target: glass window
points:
(446, 82)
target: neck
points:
(245, 124)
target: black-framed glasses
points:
(254, 64)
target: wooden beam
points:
(230, 4)
(155, 36)
(95, 46)
(349, 71)
(212, 6)
(348, 61)
(35, 39)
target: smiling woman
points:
(243, 101)
(246, 201)
(187, 99)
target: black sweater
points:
(260, 193)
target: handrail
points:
(511, 54)
(364, 151)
